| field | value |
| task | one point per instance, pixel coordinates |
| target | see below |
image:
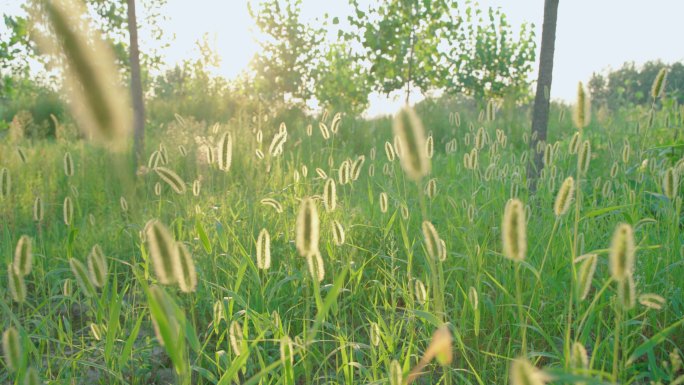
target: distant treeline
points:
(187, 90)
(630, 85)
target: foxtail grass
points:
(409, 130)
(97, 99)
(308, 227)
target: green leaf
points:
(653, 341)
(202, 234)
(128, 346)
(605, 210)
(427, 316)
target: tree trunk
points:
(540, 117)
(136, 87)
(410, 67)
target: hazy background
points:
(592, 35)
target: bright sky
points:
(592, 35)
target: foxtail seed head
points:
(467, 162)
(491, 110)
(225, 151)
(474, 159)
(316, 265)
(671, 183)
(389, 151)
(473, 298)
(470, 213)
(307, 232)
(16, 284)
(375, 334)
(432, 240)
(286, 350)
(442, 250)
(32, 377)
(659, 84)
(38, 210)
(626, 152)
(335, 124)
(627, 292)
(82, 277)
(440, 349)
(574, 143)
(97, 266)
(564, 197)
(440, 346)
(514, 230)
(584, 157)
(263, 250)
(325, 133)
(259, 136)
(548, 155)
(383, 202)
(98, 101)
(210, 153)
(344, 172)
(398, 149)
(585, 275)
(582, 113)
(154, 159)
(124, 204)
(196, 187)
(480, 138)
(278, 143)
(5, 182)
(420, 292)
(652, 301)
(396, 375)
(12, 347)
(23, 257)
(330, 195)
(97, 331)
(68, 164)
(172, 179)
(186, 275)
(431, 188)
(163, 154)
(338, 233)
(163, 251)
(524, 373)
(579, 356)
(404, 212)
(68, 211)
(237, 340)
(622, 252)
(272, 203)
(614, 170)
(409, 129)
(356, 167)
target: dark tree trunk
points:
(136, 87)
(540, 116)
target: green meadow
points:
(442, 244)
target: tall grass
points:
(408, 266)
